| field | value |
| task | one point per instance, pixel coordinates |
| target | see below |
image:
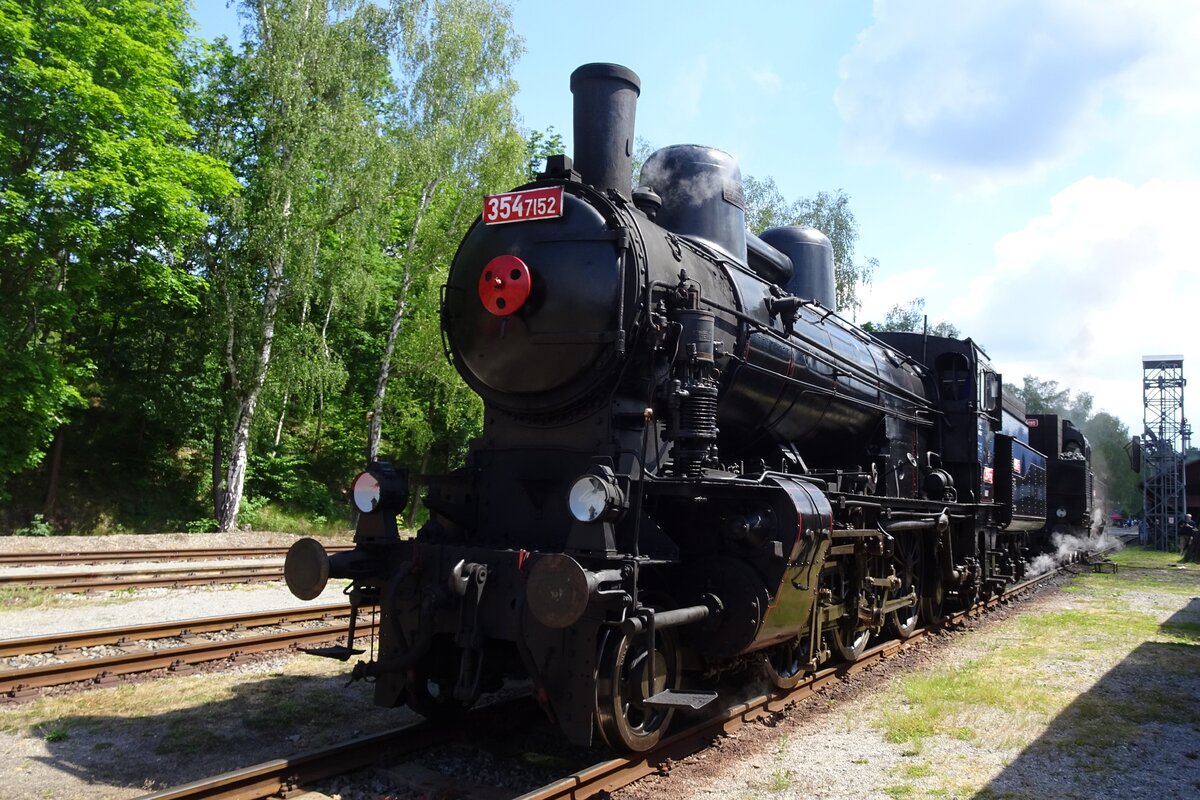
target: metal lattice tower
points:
(1164, 442)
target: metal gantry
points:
(1164, 442)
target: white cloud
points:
(1081, 294)
(984, 91)
(766, 79)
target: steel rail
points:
(180, 554)
(281, 776)
(74, 640)
(143, 578)
(19, 682)
(616, 773)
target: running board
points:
(684, 701)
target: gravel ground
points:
(74, 612)
(144, 606)
(118, 742)
(833, 747)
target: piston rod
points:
(667, 619)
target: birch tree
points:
(310, 93)
(459, 136)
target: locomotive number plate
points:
(530, 204)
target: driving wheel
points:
(623, 683)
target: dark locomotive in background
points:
(692, 470)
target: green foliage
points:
(100, 194)
(1107, 435)
(539, 146)
(828, 212)
(288, 479)
(37, 527)
(910, 318)
(55, 734)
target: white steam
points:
(1067, 546)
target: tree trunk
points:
(56, 458)
(279, 425)
(218, 458)
(375, 425)
(239, 445)
(325, 354)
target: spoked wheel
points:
(933, 600)
(909, 563)
(783, 666)
(849, 638)
(623, 683)
(850, 641)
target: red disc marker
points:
(504, 285)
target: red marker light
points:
(504, 285)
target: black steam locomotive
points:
(691, 467)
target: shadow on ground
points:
(1134, 734)
(264, 718)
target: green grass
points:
(55, 734)
(1053, 657)
(1144, 558)
(936, 703)
(273, 517)
(781, 780)
(26, 597)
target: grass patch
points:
(273, 517)
(1146, 558)
(26, 597)
(1172, 582)
(54, 733)
(941, 702)
(781, 780)
(898, 791)
(1046, 679)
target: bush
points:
(36, 527)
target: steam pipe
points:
(605, 107)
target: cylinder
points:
(812, 262)
(605, 106)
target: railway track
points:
(147, 569)
(148, 577)
(178, 554)
(65, 658)
(279, 777)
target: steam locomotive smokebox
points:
(701, 190)
(605, 106)
(812, 258)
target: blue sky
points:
(1030, 168)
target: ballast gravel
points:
(827, 747)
